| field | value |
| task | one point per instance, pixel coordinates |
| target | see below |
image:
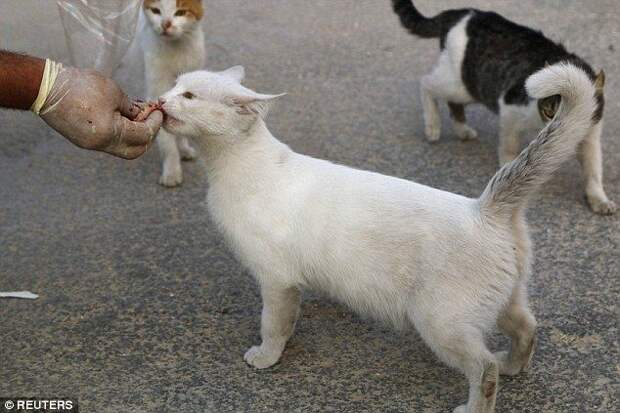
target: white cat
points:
(173, 43)
(452, 266)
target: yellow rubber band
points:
(49, 77)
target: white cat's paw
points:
(506, 368)
(465, 132)
(432, 131)
(602, 206)
(188, 154)
(260, 358)
(171, 178)
(460, 409)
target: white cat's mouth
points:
(170, 120)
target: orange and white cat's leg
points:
(591, 158)
(185, 149)
(172, 174)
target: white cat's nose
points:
(161, 101)
(166, 24)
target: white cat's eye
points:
(155, 10)
(180, 13)
(188, 95)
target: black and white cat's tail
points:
(513, 184)
(417, 24)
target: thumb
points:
(141, 133)
(128, 107)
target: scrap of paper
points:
(18, 294)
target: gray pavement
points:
(142, 307)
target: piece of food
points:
(147, 109)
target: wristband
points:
(49, 77)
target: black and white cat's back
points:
(508, 53)
(487, 59)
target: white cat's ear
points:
(253, 103)
(236, 72)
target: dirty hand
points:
(92, 111)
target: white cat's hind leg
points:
(172, 174)
(518, 323)
(591, 159)
(280, 310)
(460, 344)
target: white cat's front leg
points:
(172, 174)
(280, 310)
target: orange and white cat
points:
(173, 43)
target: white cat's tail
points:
(511, 187)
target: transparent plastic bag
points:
(98, 32)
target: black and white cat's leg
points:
(185, 149)
(510, 127)
(591, 158)
(280, 310)
(172, 174)
(432, 118)
(461, 129)
(460, 343)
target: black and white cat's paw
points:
(464, 132)
(505, 158)
(261, 357)
(432, 130)
(602, 206)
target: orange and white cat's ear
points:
(253, 103)
(236, 72)
(194, 7)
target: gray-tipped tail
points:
(511, 187)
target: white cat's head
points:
(171, 19)
(206, 104)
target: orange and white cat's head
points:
(172, 19)
(213, 105)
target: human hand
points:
(93, 112)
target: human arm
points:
(84, 106)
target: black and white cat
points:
(488, 59)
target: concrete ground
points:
(142, 307)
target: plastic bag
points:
(98, 32)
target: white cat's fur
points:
(445, 83)
(166, 57)
(452, 266)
